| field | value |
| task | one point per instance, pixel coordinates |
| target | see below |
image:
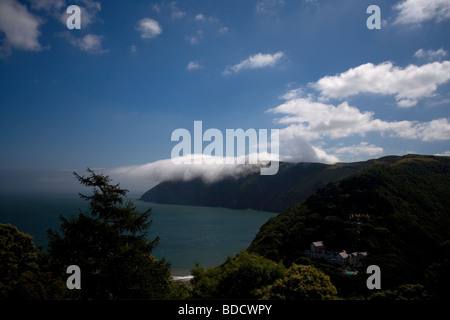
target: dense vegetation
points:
(250, 276)
(24, 269)
(404, 223)
(292, 183)
(300, 283)
(237, 278)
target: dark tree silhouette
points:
(110, 244)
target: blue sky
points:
(110, 94)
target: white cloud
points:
(200, 17)
(298, 149)
(20, 28)
(430, 54)
(434, 130)
(312, 120)
(408, 85)
(193, 65)
(418, 11)
(133, 48)
(166, 170)
(90, 43)
(148, 28)
(256, 61)
(209, 169)
(292, 94)
(364, 148)
(406, 103)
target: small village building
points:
(318, 252)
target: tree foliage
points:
(404, 292)
(301, 283)
(23, 273)
(237, 278)
(110, 244)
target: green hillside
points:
(403, 221)
(293, 183)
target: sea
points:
(188, 234)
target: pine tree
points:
(110, 244)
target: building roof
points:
(318, 244)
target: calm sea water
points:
(187, 234)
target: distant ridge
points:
(293, 183)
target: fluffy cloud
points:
(312, 120)
(434, 130)
(408, 85)
(430, 54)
(292, 94)
(148, 28)
(256, 61)
(418, 11)
(200, 17)
(193, 65)
(90, 43)
(20, 28)
(364, 148)
(295, 148)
